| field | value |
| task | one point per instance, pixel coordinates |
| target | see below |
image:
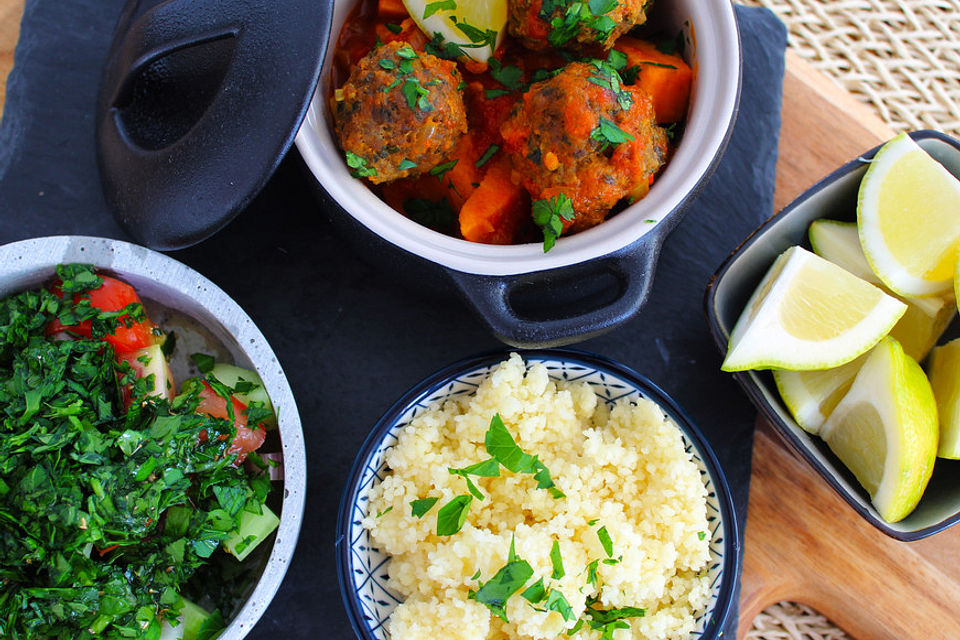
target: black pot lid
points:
(199, 102)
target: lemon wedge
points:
(808, 313)
(885, 430)
(476, 26)
(907, 215)
(925, 319)
(944, 370)
(811, 396)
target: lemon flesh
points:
(808, 313)
(811, 396)
(885, 430)
(944, 370)
(925, 319)
(472, 24)
(908, 216)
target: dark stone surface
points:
(350, 340)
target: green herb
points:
(407, 53)
(453, 515)
(504, 449)
(490, 94)
(701, 535)
(387, 63)
(672, 46)
(441, 170)
(605, 540)
(609, 133)
(630, 74)
(557, 602)
(436, 215)
(203, 361)
(617, 59)
(605, 617)
(509, 75)
(394, 28)
(419, 508)
(476, 575)
(359, 166)
(495, 592)
(443, 49)
(557, 561)
(590, 523)
(442, 5)
(662, 65)
(491, 150)
(535, 593)
(462, 85)
(671, 130)
(549, 215)
(483, 38)
(487, 469)
(608, 77)
(592, 572)
(573, 630)
(407, 164)
(600, 7)
(544, 481)
(416, 94)
(385, 512)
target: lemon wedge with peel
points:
(908, 215)
(925, 319)
(885, 430)
(808, 313)
(475, 26)
(811, 396)
(944, 370)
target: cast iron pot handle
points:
(552, 325)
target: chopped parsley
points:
(434, 214)
(453, 515)
(416, 94)
(479, 37)
(387, 63)
(442, 5)
(617, 59)
(407, 164)
(701, 535)
(380, 514)
(491, 150)
(359, 166)
(557, 561)
(535, 593)
(440, 170)
(495, 592)
(203, 361)
(605, 540)
(419, 508)
(549, 215)
(608, 77)
(567, 19)
(394, 28)
(509, 75)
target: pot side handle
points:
(566, 305)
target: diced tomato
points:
(113, 295)
(215, 406)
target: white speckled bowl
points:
(363, 568)
(172, 284)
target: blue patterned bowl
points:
(362, 568)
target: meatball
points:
(585, 135)
(399, 113)
(539, 24)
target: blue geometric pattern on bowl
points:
(368, 566)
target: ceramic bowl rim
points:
(732, 562)
(720, 337)
(719, 81)
(35, 256)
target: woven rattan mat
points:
(902, 58)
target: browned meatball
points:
(539, 24)
(585, 135)
(399, 113)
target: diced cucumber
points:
(192, 618)
(230, 375)
(253, 530)
(151, 361)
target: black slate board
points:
(350, 340)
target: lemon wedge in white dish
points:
(925, 319)
(476, 26)
(885, 430)
(808, 313)
(908, 216)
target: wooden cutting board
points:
(803, 543)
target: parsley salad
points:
(127, 506)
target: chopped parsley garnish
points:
(630, 74)
(535, 593)
(479, 37)
(549, 215)
(416, 94)
(617, 59)
(453, 515)
(557, 602)
(492, 149)
(495, 592)
(407, 164)
(609, 134)
(387, 63)
(419, 508)
(476, 575)
(609, 78)
(605, 540)
(359, 166)
(440, 170)
(557, 561)
(443, 49)
(394, 28)
(442, 5)
(490, 94)
(671, 46)
(701, 535)
(509, 75)
(380, 514)
(662, 65)
(407, 53)
(489, 468)
(203, 361)
(567, 18)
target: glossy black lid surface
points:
(199, 101)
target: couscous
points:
(600, 529)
